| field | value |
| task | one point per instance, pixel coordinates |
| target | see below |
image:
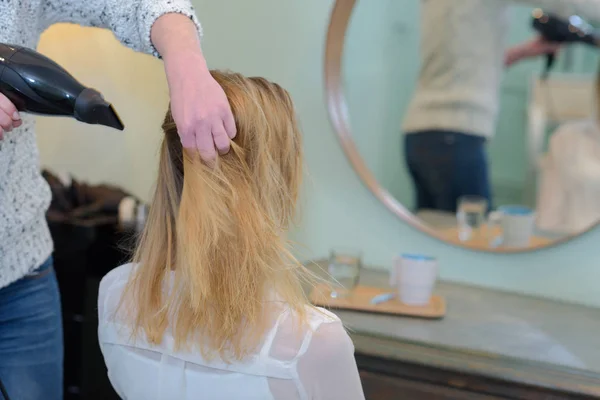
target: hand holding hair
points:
(199, 105)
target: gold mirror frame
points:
(338, 114)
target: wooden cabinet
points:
(489, 345)
(379, 387)
(385, 379)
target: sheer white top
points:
(315, 363)
(569, 192)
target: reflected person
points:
(453, 112)
(568, 202)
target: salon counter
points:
(490, 344)
(445, 223)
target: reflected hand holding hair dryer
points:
(36, 84)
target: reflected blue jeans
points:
(446, 165)
(31, 338)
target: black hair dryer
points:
(571, 30)
(36, 84)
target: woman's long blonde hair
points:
(220, 230)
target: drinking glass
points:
(344, 270)
(470, 215)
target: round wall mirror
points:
(373, 67)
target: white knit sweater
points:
(25, 240)
(462, 56)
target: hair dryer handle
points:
(550, 59)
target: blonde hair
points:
(220, 231)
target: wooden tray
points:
(360, 300)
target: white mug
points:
(414, 277)
(517, 223)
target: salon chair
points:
(90, 238)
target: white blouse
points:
(569, 190)
(317, 363)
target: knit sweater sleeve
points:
(130, 20)
(588, 9)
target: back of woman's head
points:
(217, 233)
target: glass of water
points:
(470, 215)
(344, 270)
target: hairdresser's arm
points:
(199, 105)
(171, 30)
(532, 48)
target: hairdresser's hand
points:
(9, 116)
(199, 106)
(538, 46)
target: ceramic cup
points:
(414, 276)
(517, 223)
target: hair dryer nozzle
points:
(91, 108)
(111, 119)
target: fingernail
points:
(16, 116)
(223, 150)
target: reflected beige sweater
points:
(462, 61)
(25, 241)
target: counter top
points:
(445, 223)
(504, 335)
(482, 241)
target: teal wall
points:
(381, 66)
(284, 40)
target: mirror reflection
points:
(479, 117)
